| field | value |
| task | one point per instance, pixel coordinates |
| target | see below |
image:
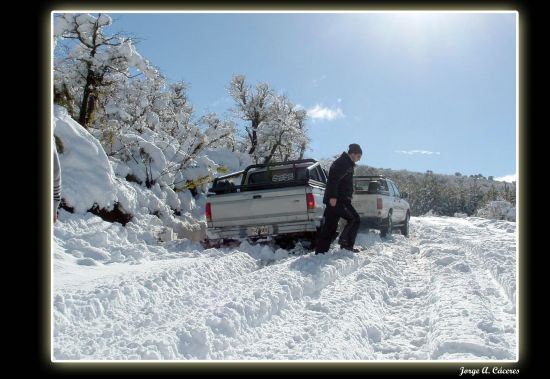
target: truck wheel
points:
(388, 229)
(405, 227)
(285, 242)
(208, 243)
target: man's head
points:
(355, 152)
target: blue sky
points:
(418, 91)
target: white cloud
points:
(339, 100)
(422, 152)
(323, 113)
(220, 100)
(507, 178)
(319, 80)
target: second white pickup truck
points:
(281, 201)
(380, 205)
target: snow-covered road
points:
(448, 292)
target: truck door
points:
(399, 214)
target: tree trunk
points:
(302, 150)
(254, 142)
(87, 100)
(268, 158)
(254, 139)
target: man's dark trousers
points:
(332, 216)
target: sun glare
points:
(417, 36)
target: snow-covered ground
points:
(446, 293)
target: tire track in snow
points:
(340, 320)
(224, 300)
(296, 281)
(133, 303)
(500, 327)
(406, 320)
(462, 296)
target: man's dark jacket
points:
(340, 179)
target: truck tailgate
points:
(364, 204)
(259, 207)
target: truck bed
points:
(269, 206)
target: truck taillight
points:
(378, 203)
(310, 201)
(208, 212)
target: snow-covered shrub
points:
(498, 210)
(430, 213)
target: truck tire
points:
(387, 230)
(211, 243)
(285, 242)
(405, 227)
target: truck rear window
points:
(371, 186)
(277, 176)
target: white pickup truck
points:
(278, 201)
(380, 205)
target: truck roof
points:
(263, 175)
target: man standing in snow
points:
(56, 183)
(337, 198)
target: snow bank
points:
(90, 177)
(87, 176)
(94, 242)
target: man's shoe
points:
(352, 249)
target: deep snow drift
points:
(446, 293)
(91, 178)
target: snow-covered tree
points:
(509, 192)
(145, 124)
(276, 129)
(491, 195)
(253, 106)
(88, 62)
(283, 136)
(149, 125)
(429, 194)
(475, 196)
(220, 134)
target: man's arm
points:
(335, 175)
